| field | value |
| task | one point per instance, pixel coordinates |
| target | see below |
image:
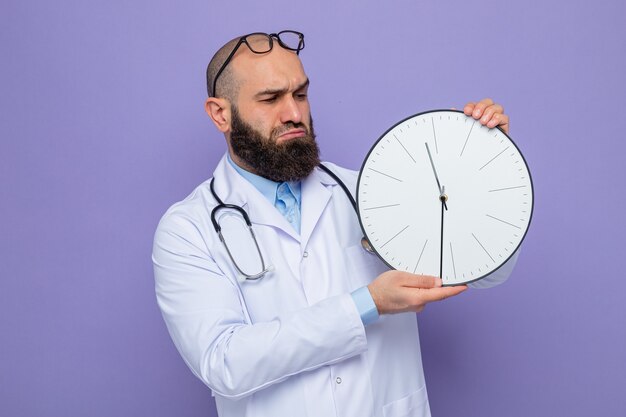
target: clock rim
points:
(358, 186)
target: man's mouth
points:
(292, 134)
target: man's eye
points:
(269, 99)
(301, 96)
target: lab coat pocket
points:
(413, 405)
(363, 267)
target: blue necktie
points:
(287, 205)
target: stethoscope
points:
(265, 269)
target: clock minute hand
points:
(432, 164)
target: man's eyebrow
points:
(281, 91)
(303, 85)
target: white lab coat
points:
(292, 343)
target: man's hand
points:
(488, 113)
(399, 291)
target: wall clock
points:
(440, 194)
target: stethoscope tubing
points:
(218, 229)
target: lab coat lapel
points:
(316, 193)
(232, 188)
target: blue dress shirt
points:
(286, 197)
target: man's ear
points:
(218, 110)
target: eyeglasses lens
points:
(291, 40)
(259, 43)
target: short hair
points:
(227, 82)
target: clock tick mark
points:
(420, 257)
(435, 136)
(379, 207)
(491, 160)
(468, 136)
(507, 188)
(452, 257)
(394, 236)
(500, 220)
(481, 245)
(386, 175)
(405, 149)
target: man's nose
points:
(290, 111)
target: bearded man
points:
(260, 274)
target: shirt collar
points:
(267, 188)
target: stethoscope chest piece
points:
(366, 245)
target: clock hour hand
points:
(441, 190)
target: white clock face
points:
(479, 170)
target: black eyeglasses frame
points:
(243, 40)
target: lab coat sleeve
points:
(205, 317)
(498, 276)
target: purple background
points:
(102, 128)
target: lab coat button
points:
(305, 254)
(338, 380)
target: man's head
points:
(261, 106)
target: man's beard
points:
(291, 160)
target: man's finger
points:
(420, 281)
(469, 108)
(490, 112)
(480, 107)
(501, 120)
(438, 294)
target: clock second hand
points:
(443, 197)
(432, 164)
